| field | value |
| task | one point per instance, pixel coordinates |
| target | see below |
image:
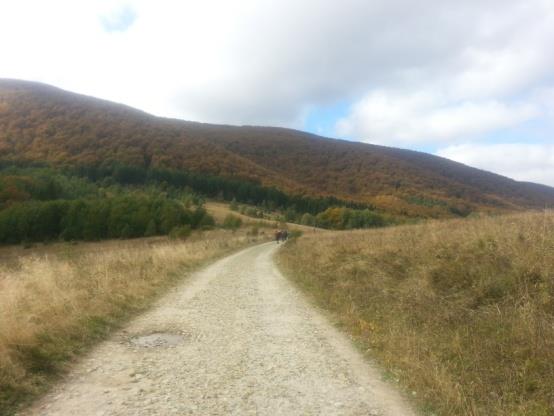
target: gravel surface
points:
(236, 339)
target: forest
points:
(211, 186)
(39, 123)
(41, 203)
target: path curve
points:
(237, 338)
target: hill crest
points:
(39, 122)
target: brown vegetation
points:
(220, 210)
(42, 123)
(460, 312)
(56, 301)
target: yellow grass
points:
(461, 312)
(220, 210)
(55, 301)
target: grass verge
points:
(56, 302)
(461, 312)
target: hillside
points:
(43, 123)
(460, 311)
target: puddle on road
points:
(158, 339)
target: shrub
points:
(308, 219)
(181, 232)
(232, 222)
(295, 234)
(150, 229)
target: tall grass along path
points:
(238, 339)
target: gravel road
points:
(235, 339)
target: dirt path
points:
(235, 339)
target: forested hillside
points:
(46, 124)
(39, 204)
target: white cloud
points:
(545, 97)
(524, 162)
(403, 118)
(416, 72)
(483, 83)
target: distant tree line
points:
(341, 218)
(211, 186)
(124, 216)
(39, 203)
(41, 184)
(337, 218)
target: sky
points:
(469, 80)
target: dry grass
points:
(220, 210)
(56, 301)
(460, 312)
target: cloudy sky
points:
(470, 80)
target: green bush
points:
(127, 215)
(295, 234)
(232, 222)
(308, 219)
(182, 232)
(151, 229)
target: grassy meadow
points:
(458, 312)
(58, 299)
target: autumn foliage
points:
(43, 123)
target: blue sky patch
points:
(120, 20)
(322, 120)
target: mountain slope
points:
(43, 123)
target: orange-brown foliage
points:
(42, 123)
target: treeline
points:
(40, 204)
(125, 216)
(336, 218)
(42, 184)
(211, 186)
(340, 218)
(323, 212)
